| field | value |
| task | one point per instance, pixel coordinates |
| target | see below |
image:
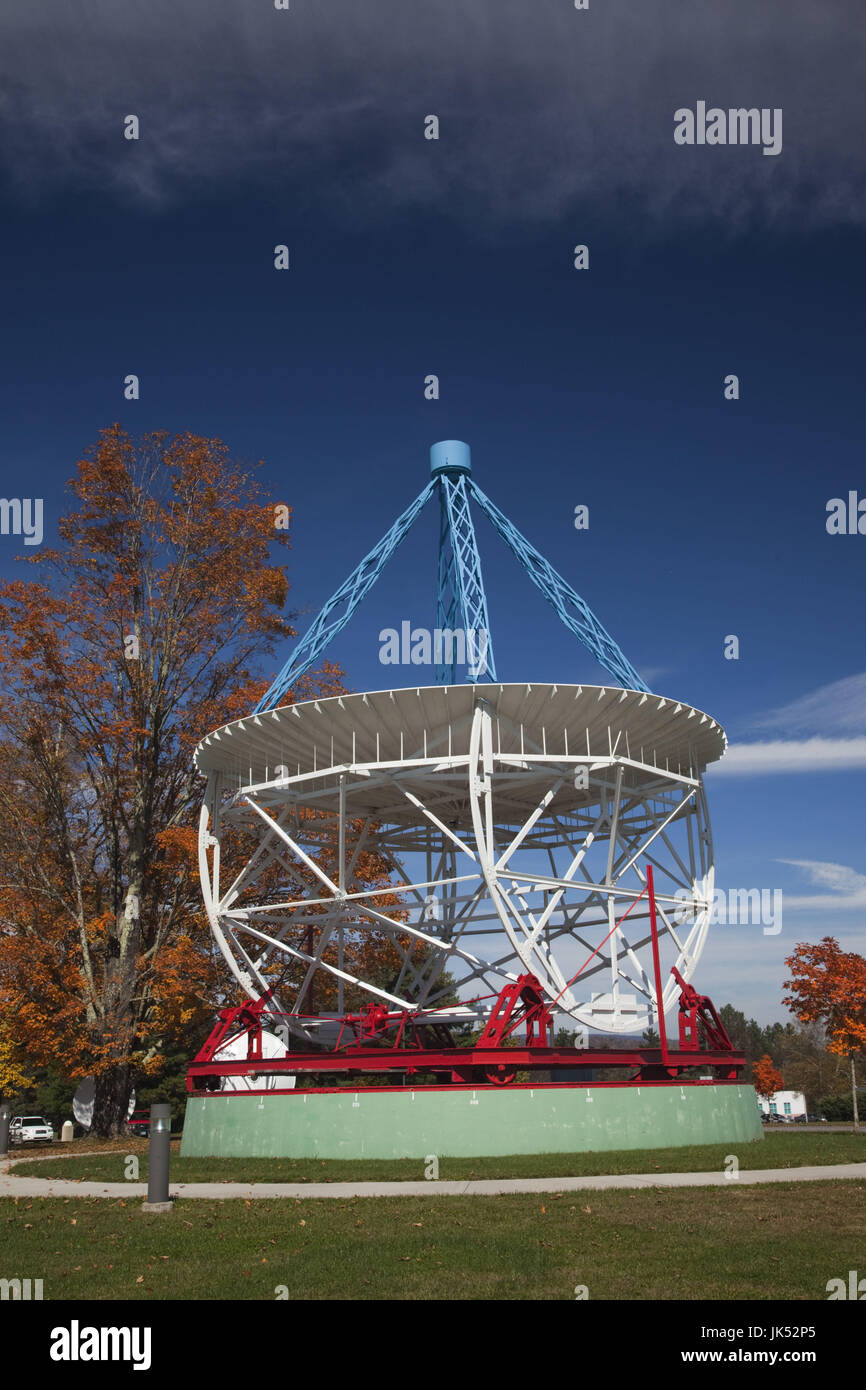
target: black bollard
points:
(159, 1150)
(5, 1114)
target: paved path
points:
(11, 1186)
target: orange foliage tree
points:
(141, 637)
(766, 1077)
(828, 986)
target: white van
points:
(30, 1129)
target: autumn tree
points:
(144, 630)
(15, 1079)
(766, 1077)
(828, 986)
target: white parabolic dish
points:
(517, 820)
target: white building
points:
(790, 1103)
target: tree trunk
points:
(854, 1093)
(113, 1086)
(112, 1101)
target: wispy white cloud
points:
(543, 108)
(825, 732)
(838, 708)
(847, 887)
(791, 755)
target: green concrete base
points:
(464, 1123)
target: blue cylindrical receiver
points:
(449, 456)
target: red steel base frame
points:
(380, 1042)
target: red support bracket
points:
(232, 1021)
(520, 1002)
(699, 1020)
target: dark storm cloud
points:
(543, 108)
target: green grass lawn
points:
(779, 1242)
(777, 1150)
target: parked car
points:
(139, 1123)
(30, 1129)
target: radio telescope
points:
(515, 820)
(400, 880)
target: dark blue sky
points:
(603, 387)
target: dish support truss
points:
(506, 864)
(459, 581)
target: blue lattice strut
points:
(460, 590)
(576, 615)
(347, 598)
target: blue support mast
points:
(460, 589)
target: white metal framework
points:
(479, 832)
